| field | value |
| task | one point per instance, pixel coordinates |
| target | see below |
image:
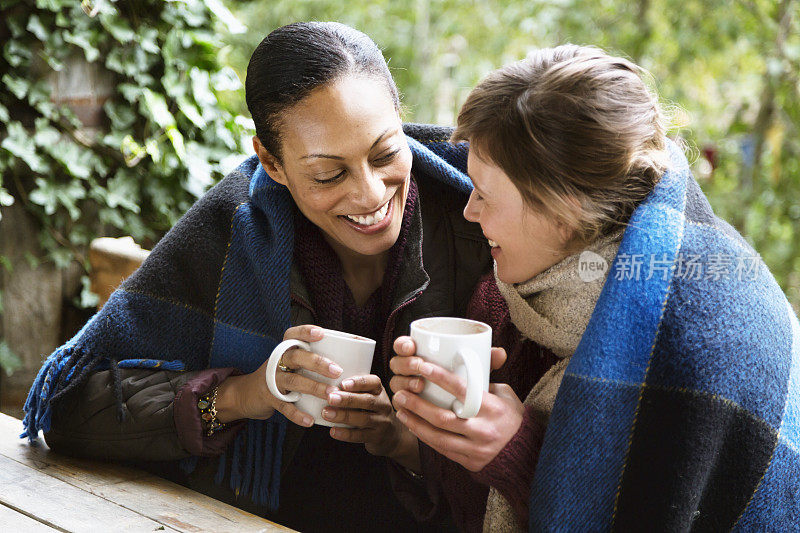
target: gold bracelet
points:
(208, 412)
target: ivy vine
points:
(167, 135)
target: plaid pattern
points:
(215, 293)
(680, 408)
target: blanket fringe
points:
(255, 459)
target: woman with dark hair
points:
(670, 400)
(344, 219)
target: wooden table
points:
(41, 490)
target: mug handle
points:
(272, 367)
(472, 401)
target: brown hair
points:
(570, 125)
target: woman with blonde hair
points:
(673, 399)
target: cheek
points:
(401, 167)
(317, 201)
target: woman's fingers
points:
(406, 365)
(292, 381)
(351, 417)
(453, 446)
(307, 333)
(294, 414)
(436, 416)
(404, 346)
(368, 383)
(298, 358)
(447, 380)
(398, 383)
(358, 400)
(350, 434)
(499, 357)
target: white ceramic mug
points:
(461, 346)
(352, 353)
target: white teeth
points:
(369, 220)
(492, 243)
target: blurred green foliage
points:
(163, 135)
(728, 71)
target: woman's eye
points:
(384, 159)
(333, 179)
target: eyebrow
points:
(340, 158)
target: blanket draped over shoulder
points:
(214, 293)
(680, 408)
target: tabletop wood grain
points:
(41, 490)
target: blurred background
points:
(116, 116)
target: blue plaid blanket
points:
(681, 407)
(214, 293)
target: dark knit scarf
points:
(214, 293)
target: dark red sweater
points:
(511, 472)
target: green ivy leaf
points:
(155, 105)
(53, 5)
(87, 299)
(3, 114)
(177, 141)
(18, 87)
(19, 144)
(15, 54)
(201, 88)
(9, 361)
(200, 172)
(76, 161)
(36, 27)
(45, 195)
(122, 116)
(118, 28)
(62, 257)
(82, 42)
(152, 149)
(226, 79)
(191, 111)
(5, 198)
(6, 263)
(148, 40)
(232, 24)
(111, 217)
(45, 136)
(50, 195)
(132, 93)
(123, 192)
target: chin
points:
(509, 276)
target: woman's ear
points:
(270, 163)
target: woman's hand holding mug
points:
(363, 404)
(247, 396)
(472, 442)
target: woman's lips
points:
(376, 227)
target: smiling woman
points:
(345, 159)
(344, 219)
(670, 402)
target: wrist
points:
(406, 452)
(228, 408)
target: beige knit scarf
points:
(553, 309)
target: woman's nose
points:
(370, 190)
(471, 210)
